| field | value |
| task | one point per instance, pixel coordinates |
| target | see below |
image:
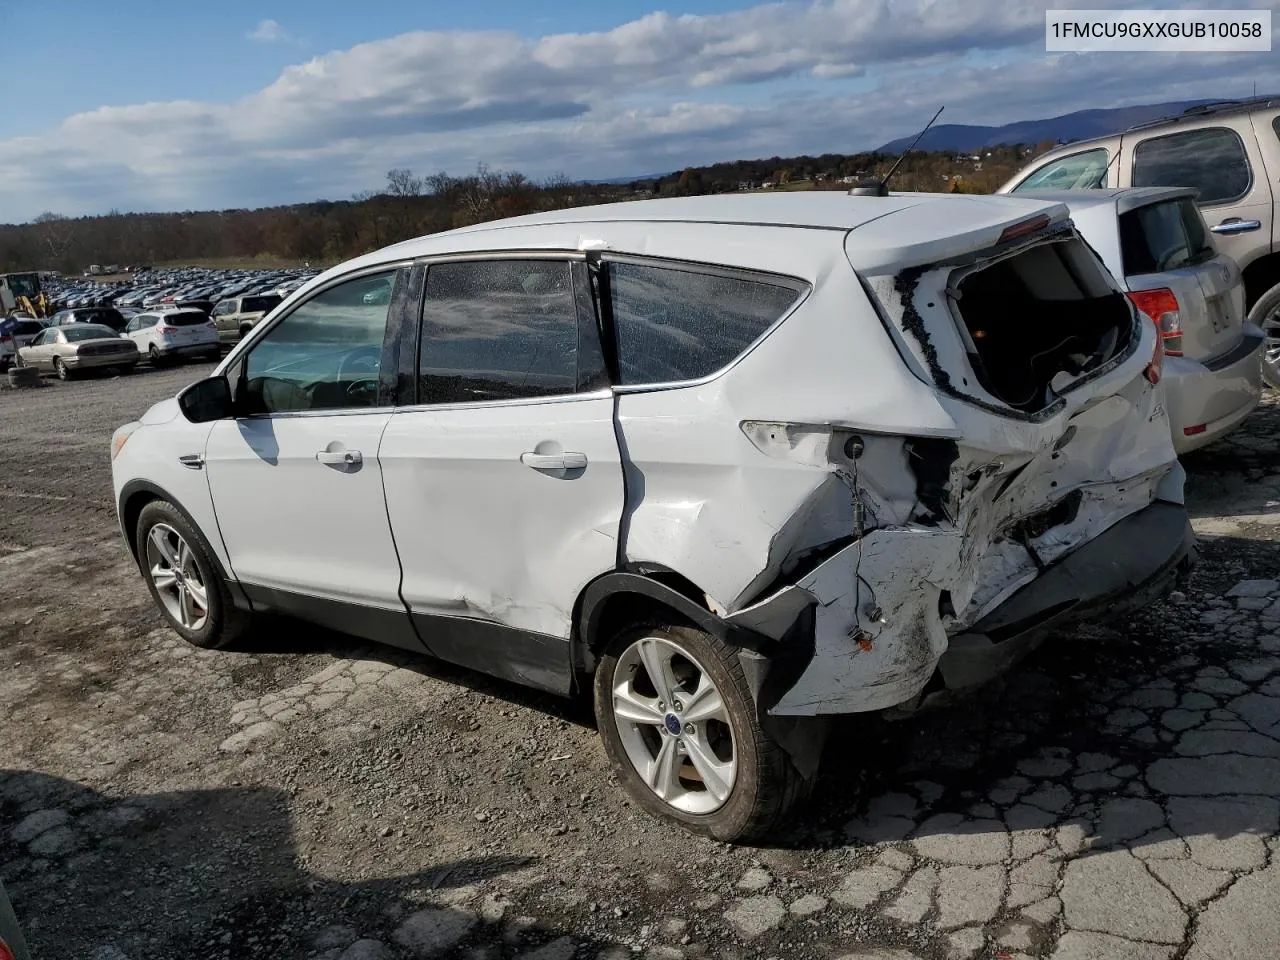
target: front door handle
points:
(340, 457)
(568, 460)
(1233, 225)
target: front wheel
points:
(183, 578)
(1266, 314)
(679, 727)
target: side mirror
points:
(206, 400)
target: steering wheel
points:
(361, 360)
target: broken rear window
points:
(1037, 320)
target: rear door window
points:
(1163, 236)
(1212, 160)
(673, 323)
(498, 330)
(1087, 169)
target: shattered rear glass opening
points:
(1037, 320)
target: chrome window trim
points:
(603, 394)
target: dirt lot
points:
(310, 797)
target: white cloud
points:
(656, 93)
(268, 31)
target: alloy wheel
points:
(176, 575)
(1271, 346)
(674, 726)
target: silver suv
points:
(1230, 152)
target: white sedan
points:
(163, 335)
(76, 347)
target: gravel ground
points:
(311, 797)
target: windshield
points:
(87, 331)
(107, 317)
(258, 304)
(24, 284)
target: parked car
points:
(12, 944)
(1230, 152)
(72, 348)
(166, 335)
(237, 316)
(747, 462)
(15, 333)
(1155, 242)
(103, 316)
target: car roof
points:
(880, 228)
(1222, 109)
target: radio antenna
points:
(872, 188)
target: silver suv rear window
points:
(1163, 236)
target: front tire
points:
(679, 726)
(1266, 314)
(177, 563)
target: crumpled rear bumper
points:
(1134, 562)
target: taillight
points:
(1162, 307)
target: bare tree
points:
(402, 183)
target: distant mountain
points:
(643, 176)
(1080, 125)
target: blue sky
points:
(147, 106)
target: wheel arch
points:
(1260, 276)
(643, 591)
(134, 497)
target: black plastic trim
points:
(622, 582)
(379, 624)
(1249, 343)
(400, 319)
(593, 371)
(134, 487)
(530, 659)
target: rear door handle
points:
(339, 457)
(1234, 225)
(568, 460)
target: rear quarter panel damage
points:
(950, 507)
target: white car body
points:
(168, 334)
(1215, 381)
(841, 495)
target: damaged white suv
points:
(740, 463)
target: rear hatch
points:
(190, 326)
(1171, 264)
(1039, 359)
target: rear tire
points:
(1266, 314)
(153, 355)
(175, 557)
(724, 776)
(60, 369)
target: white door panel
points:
(494, 516)
(295, 523)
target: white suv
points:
(739, 463)
(165, 335)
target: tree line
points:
(410, 205)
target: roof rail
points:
(1204, 110)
